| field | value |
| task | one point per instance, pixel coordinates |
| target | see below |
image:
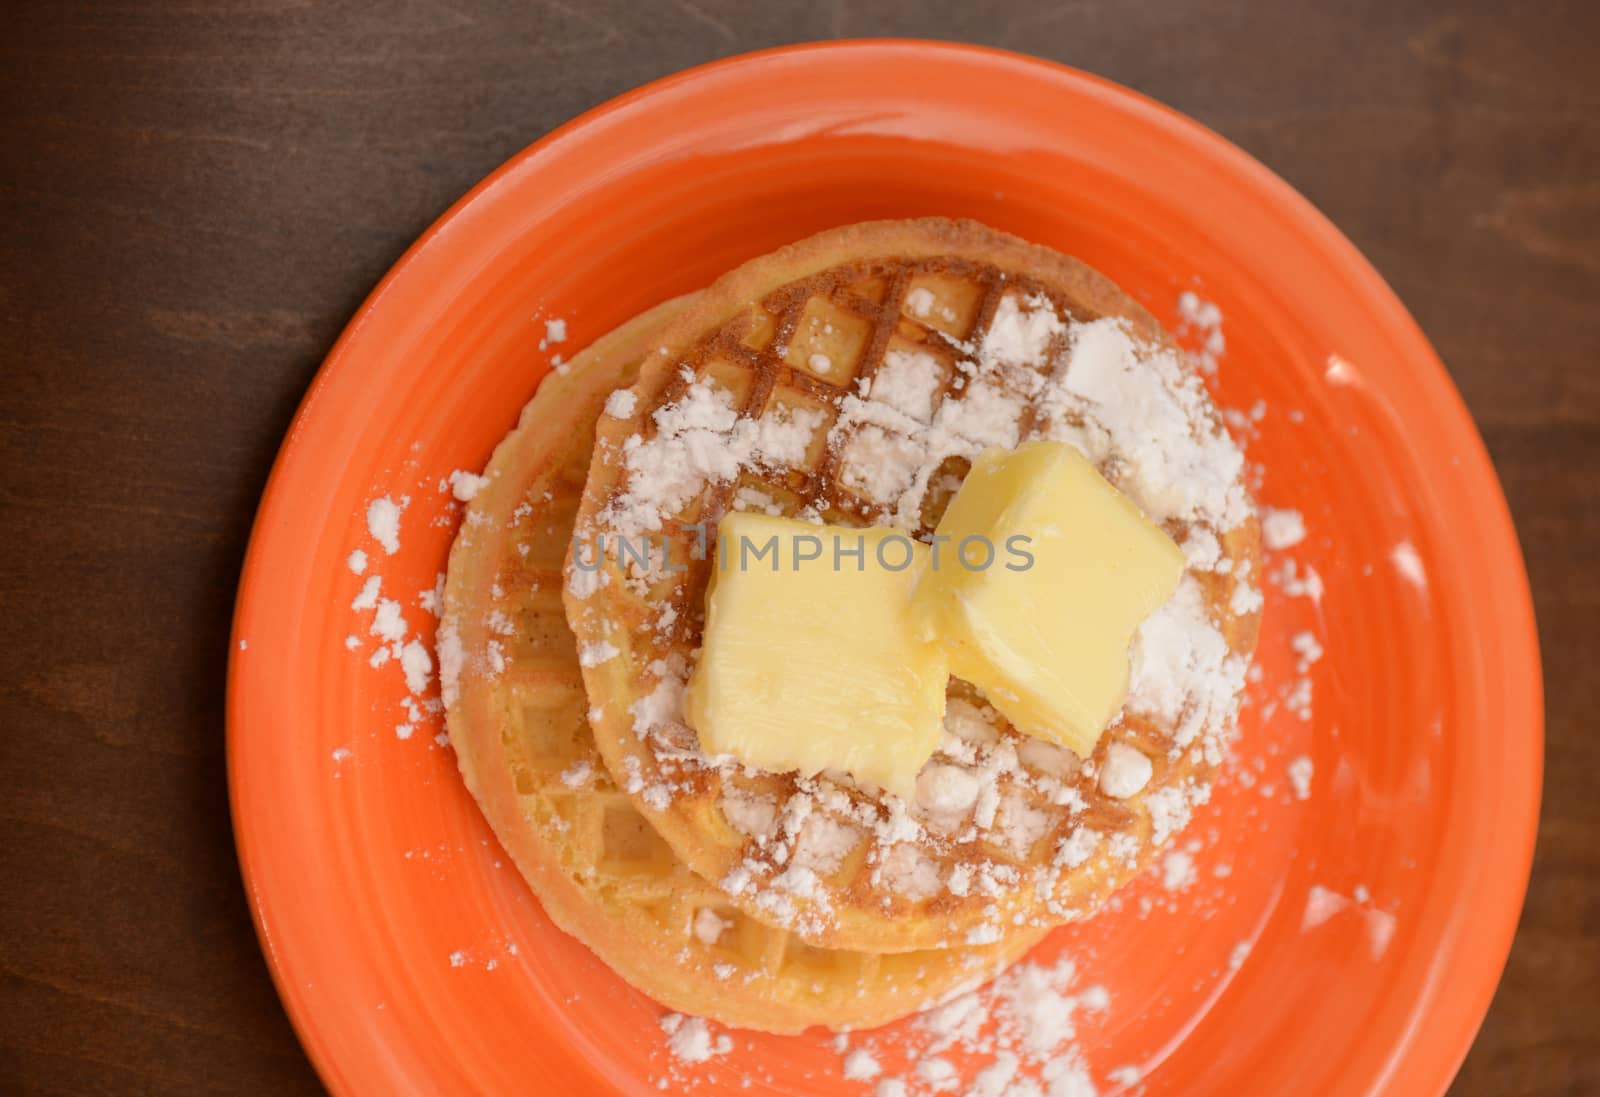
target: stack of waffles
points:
(849, 379)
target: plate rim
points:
(1521, 638)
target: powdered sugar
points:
(690, 1039)
(907, 382)
(367, 597)
(1204, 319)
(709, 926)
(555, 333)
(1145, 410)
(452, 657)
(860, 1065)
(620, 404)
(920, 302)
(383, 522)
(1021, 334)
(388, 623)
(1177, 870)
(417, 665)
(1182, 671)
(1015, 1038)
(600, 651)
(464, 485)
(700, 439)
(1281, 528)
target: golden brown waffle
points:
(516, 719)
(782, 368)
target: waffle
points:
(801, 384)
(516, 718)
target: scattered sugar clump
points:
(388, 623)
(690, 1040)
(1307, 647)
(465, 485)
(621, 404)
(418, 666)
(708, 925)
(1126, 771)
(1282, 528)
(859, 1065)
(1177, 870)
(367, 597)
(1203, 318)
(383, 522)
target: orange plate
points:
(1377, 913)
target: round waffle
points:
(850, 378)
(516, 716)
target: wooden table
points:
(197, 196)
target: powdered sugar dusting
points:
(1203, 319)
(1121, 401)
(700, 439)
(1017, 1037)
(1145, 410)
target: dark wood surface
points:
(194, 197)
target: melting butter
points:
(811, 658)
(1073, 568)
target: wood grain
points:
(196, 196)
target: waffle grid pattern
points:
(764, 356)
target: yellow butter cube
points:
(811, 659)
(1043, 572)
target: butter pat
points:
(811, 658)
(1073, 567)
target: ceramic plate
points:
(1341, 912)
